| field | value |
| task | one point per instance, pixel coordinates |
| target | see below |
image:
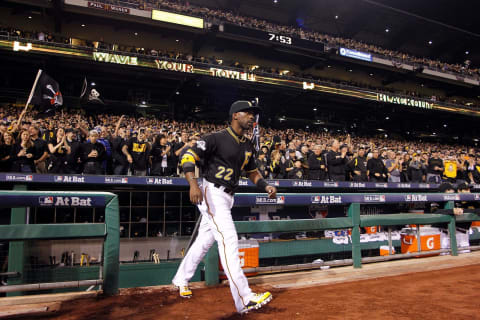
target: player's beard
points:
(247, 125)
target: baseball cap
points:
(243, 105)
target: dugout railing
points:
(353, 220)
(19, 231)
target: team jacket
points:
(221, 156)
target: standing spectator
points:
(180, 147)
(103, 137)
(297, 172)
(376, 170)
(358, 166)
(404, 168)
(290, 162)
(462, 169)
(59, 150)
(336, 161)
(435, 168)
(276, 165)
(6, 151)
(23, 154)
(160, 157)
(92, 154)
(416, 170)
(393, 167)
(49, 133)
(450, 171)
(41, 150)
(73, 158)
(139, 149)
(262, 164)
(121, 157)
(474, 170)
(316, 165)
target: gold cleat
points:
(185, 292)
(257, 301)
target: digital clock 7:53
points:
(279, 38)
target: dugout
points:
(156, 217)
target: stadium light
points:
(387, 30)
(29, 17)
(83, 25)
(467, 52)
(136, 33)
(92, 84)
(175, 18)
(430, 42)
(314, 109)
(336, 17)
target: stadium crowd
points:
(167, 53)
(217, 15)
(70, 142)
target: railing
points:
(19, 230)
(353, 220)
(298, 185)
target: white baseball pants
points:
(216, 225)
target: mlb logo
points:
(150, 180)
(124, 180)
(28, 178)
(45, 200)
(295, 183)
(382, 198)
(58, 178)
(316, 198)
(281, 199)
(409, 197)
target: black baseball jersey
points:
(223, 155)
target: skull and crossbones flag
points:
(47, 93)
(90, 94)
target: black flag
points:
(89, 94)
(47, 93)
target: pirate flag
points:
(89, 94)
(47, 94)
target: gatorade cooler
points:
(384, 251)
(475, 223)
(429, 239)
(371, 230)
(248, 252)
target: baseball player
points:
(223, 155)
